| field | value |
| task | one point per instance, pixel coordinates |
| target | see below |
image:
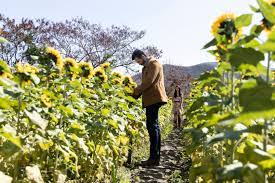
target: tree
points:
(76, 38)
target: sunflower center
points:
(228, 28)
(69, 64)
(53, 57)
(268, 25)
(99, 74)
(1, 71)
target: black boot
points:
(150, 162)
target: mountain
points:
(181, 75)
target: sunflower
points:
(46, 100)
(70, 62)
(55, 56)
(99, 72)
(105, 65)
(267, 25)
(26, 68)
(86, 69)
(271, 2)
(25, 71)
(71, 66)
(128, 81)
(224, 25)
(117, 81)
(117, 75)
(6, 75)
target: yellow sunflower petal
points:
(56, 57)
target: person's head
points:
(139, 57)
(177, 92)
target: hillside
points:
(181, 74)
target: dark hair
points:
(137, 54)
(176, 93)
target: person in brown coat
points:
(154, 96)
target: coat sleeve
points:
(148, 80)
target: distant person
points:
(154, 96)
(177, 106)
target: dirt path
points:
(172, 153)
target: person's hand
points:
(135, 95)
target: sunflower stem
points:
(232, 88)
(266, 123)
(265, 135)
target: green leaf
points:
(35, 78)
(232, 135)
(248, 172)
(256, 30)
(216, 118)
(268, 164)
(67, 110)
(5, 103)
(254, 8)
(3, 40)
(8, 149)
(213, 42)
(268, 46)
(113, 123)
(229, 172)
(123, 106)
(105, 112)
(131, 117)
(7, 82)
(256, 97)
(4, 66)
(37, 119)
(106, 86)
(130, 99)
(240, 56)
(256, 155)
(243, 20)
(245, 40)
(75, 84)
(9, 133)
(268, 10)
(252, 44)
(254, 115)
(223, 66)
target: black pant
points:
(153, 130)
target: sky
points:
(179, 27)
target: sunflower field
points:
(231, 109)
(63, 120)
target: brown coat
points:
(152, 87)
